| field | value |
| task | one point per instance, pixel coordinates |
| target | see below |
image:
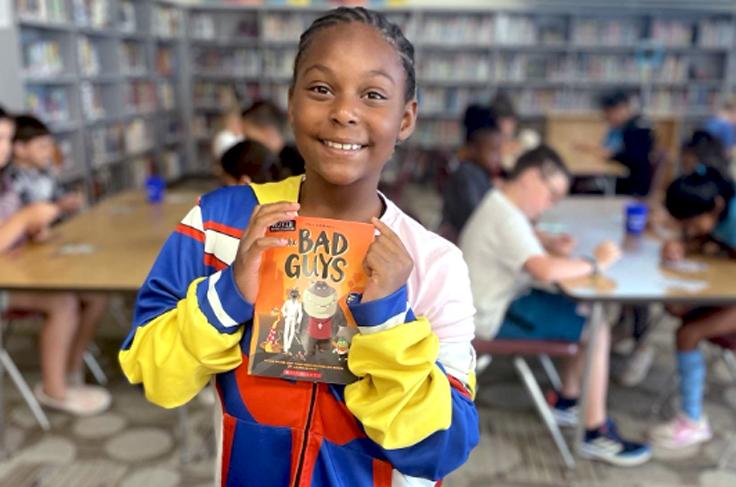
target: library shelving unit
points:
(559, 58)
(99, 73)
(132, 86)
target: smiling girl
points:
(409, 419)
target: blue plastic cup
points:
(155, 189)
(636, 218)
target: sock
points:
(565, 402)
(691, 368)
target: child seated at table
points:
(505, 253)
(32, 172)
(67, 330)
(248, 162)
(480, 164)
(266, 123)
(704, 204)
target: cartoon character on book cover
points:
(302, 328)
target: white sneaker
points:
(681, 432)
(637, 366)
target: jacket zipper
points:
(303, 449)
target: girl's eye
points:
(320, 89)
(374, 95)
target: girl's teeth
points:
(346, 147)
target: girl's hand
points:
(387, 264)
(673, 250)
(39, 216)
(253, 243)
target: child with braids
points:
(704, 203)
(409, 419)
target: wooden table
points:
(110, 247)
(638, 277)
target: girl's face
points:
(347, 108)
(701, 225)
(6, 140)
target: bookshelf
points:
(96, 69)
(558, 59)
(104, 75)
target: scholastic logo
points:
(284, 226)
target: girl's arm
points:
(29, 220)
(187, 319)
(414, 395)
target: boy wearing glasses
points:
(505, 254)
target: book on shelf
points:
(50, 104)
(96, 14)
(127, 21)
(92, 104)
(106, 144)
(140, 96)
(167, 21)
(165, 61)
(235, 62)
(89, 57)
(171, 162)
(284, 26)
(167, 95)
(42, 57)
(716, 33)
(302, 328)
(138, 136)
(43, 10)
(456, 30)
(133, 57)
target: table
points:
(109, 247)
(638, 277)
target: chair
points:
(543, 350)
(7, 319)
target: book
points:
(301, 327)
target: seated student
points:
(65, 333)
(264, 122)
(514, 141)
(629, 140)
(703, 148)
(230, 134)
(705, 205)
(481, 163)
(33, 175)
(248, 162)
(722, 125)
(504, 254)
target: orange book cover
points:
(301, 327)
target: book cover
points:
(301, 327)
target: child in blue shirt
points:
(704, 203)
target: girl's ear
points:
(408, 120)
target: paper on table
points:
(76, 249)
(687, 285)
(686, 266)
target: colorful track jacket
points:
(408, 421)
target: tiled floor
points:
(137, 444)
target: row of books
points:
(44, 10)
(140, 96)
(50, 104)
(114, 141)
(133, 57)
(42, 57)
(92, 13)
(236, 62)
(210, 27)
(89, 57)
(168, 21)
